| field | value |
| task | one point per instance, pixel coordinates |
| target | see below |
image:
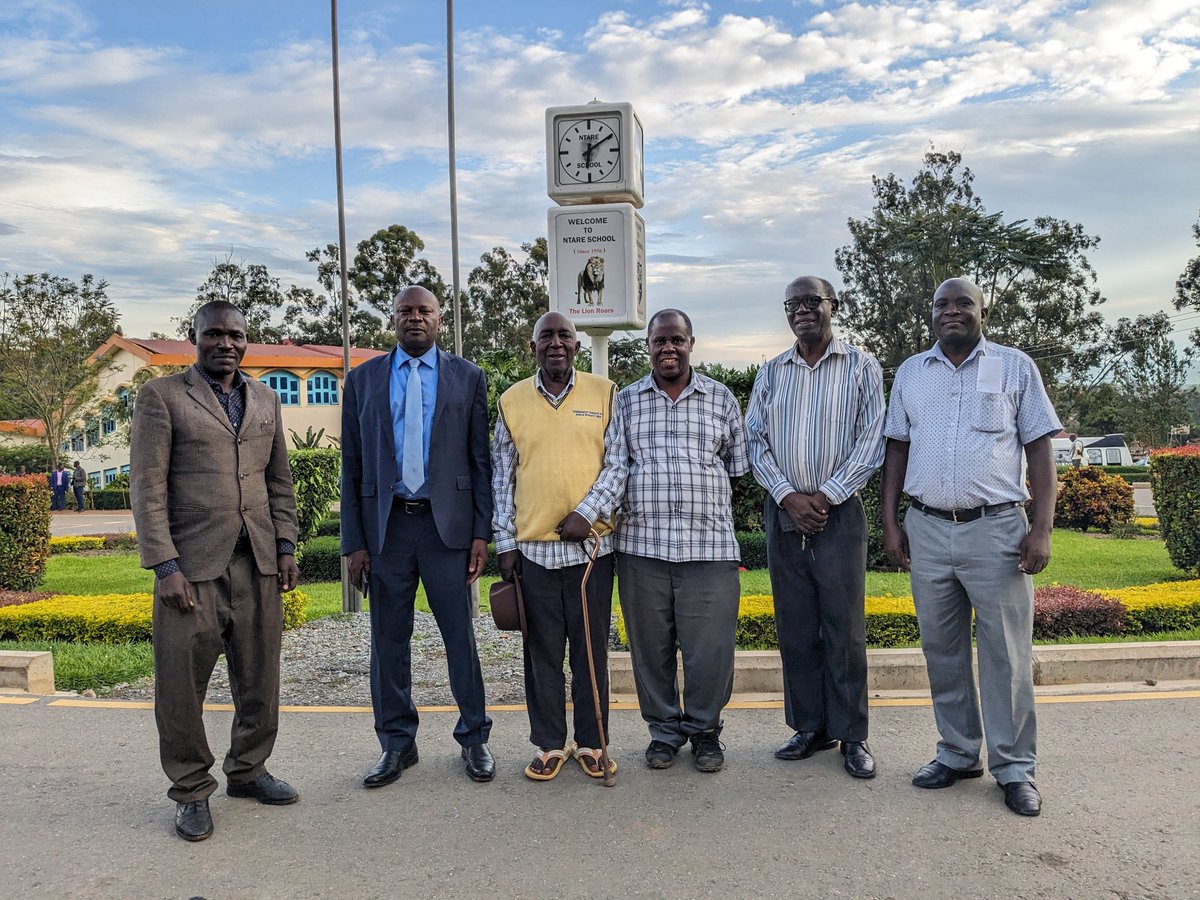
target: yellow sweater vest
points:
(559, 451)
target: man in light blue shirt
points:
(964, 418)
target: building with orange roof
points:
(307, 378)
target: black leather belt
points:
(959, 516)
(412, 507)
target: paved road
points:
(92, 521)
(83, 814)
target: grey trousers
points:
(957, 569)
(239, 614)
(692, 606)
(819, 586)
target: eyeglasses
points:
(810, 302)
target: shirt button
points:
(245, 509)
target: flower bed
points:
(1058, 611)
(79, 543)
(104, 619)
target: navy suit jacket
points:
(460, 468)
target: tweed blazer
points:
(193, 480)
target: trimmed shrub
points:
(1060, 611)
(316, 475)
(74, 543)
(1168, 606)
(118, 541)
(321, 560)
(24, 530)
(748, 500)
(33, 457)
(330, 526)
(16, 598)
(103, 619)
(1089, 498)
(754, 549)
(110, 498)
(1175, 482)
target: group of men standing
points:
(644, 474)
(62, 481)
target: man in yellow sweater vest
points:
(558, 470)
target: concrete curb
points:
(28, 671)
(761, 672)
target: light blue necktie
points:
(413, 461)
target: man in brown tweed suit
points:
(216, 520)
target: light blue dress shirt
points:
(401, 372)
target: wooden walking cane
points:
(609, 776)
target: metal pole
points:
(600, 352)
(456, 300)
(351, 598)
(458, 349)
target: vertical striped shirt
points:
(816, 428)
(678, 499)
(600, 503)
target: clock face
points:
(589, 150)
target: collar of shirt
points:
(545, 393)
(428, 358)
(695, 383)
(238, 378)
(835, 346)
(935, 352)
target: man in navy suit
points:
(60, 482)
(417, 505)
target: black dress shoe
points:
(804, 744)
(1022, 797)
(193, 822)
(391, 766)
(858, 759)
(938, 775)
(481, 765)
(266, 788)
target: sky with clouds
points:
(142, 141)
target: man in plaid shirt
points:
(677, 557)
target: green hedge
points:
(316, 475)
(34, 457)
(110, 498)
(321, 560)
(24, 531)
(331, 525)
(1175, 481)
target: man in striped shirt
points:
(815, 431)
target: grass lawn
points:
(78, 667)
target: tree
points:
(505, 295)
(1036, 278)
(249, 287)
(315, 317)
(1187, 288)
(50, 327)
(1151, 376)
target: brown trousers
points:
(239, 614)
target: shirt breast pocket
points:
(995, 413)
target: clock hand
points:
(592, 149)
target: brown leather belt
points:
(959, 516)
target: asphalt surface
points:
(83, 813)
(91, 521)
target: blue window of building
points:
(94, 480)
(125, 469)
(110, 475)
(322, 389)
(286, 385)
(77, 441)
(108, 426)
(92, 432)
(124, 398)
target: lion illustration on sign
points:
(589, 286)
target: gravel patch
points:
(327, 662)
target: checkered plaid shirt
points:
(681, 455)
